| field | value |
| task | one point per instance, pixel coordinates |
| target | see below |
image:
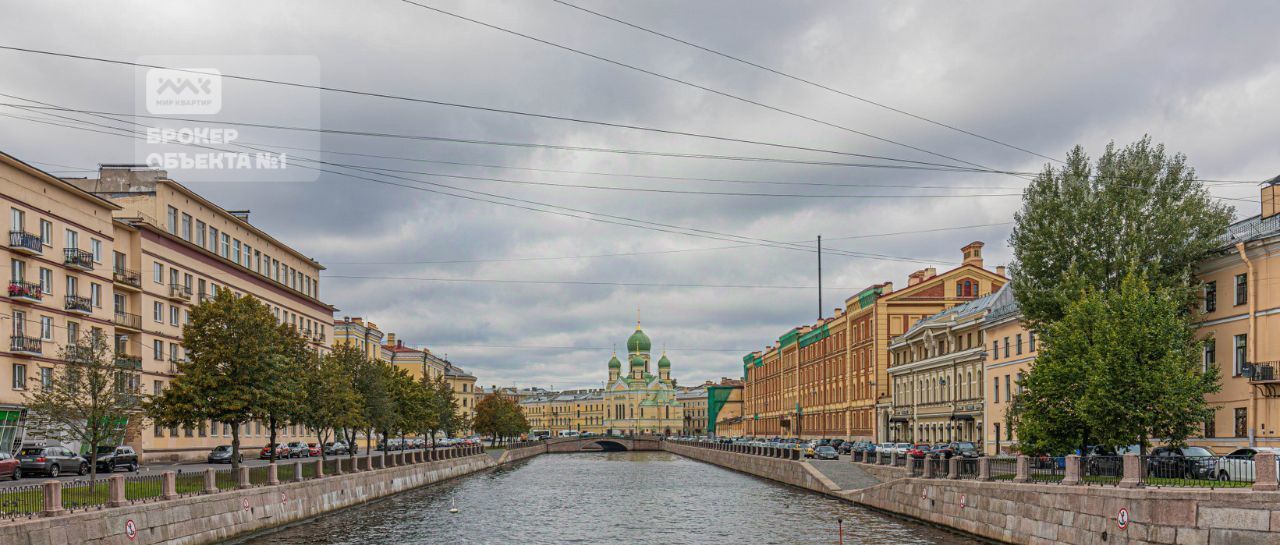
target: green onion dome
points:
(614, 363)
(664, 362)
(637, 361)
(638, 342)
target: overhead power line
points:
(449, 104)
(580, 283)
(804, 80)
(687, 83)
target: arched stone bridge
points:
(578, 444)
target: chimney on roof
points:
(391, 339)
(915, 278)
(1000, 271)
(358, 320)
(242, 215)
(973, 253)
(1270, 203)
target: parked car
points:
(313, 449)
(112, 458)
(919, 450)
(837, 443)
(298, 449)
(825, 452)
(901, 449)
(963, 449)
(336, 448)
(1239, 465)
(281, 452)
(9, 466)
(221, 454)
(1182, 463)
(1105, 461)
(51, 460)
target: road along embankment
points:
(783, 470)
(217, 515)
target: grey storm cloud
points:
(1201, 78)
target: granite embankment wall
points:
(1044, 514)
(791, 472)
(210, 518)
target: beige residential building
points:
(363, 335)
(1011, 349)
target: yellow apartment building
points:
(845, 390)
(695, 410)
(464, 389)
(1011, 350)
(363, 335)
(935, 373)
(59, 250)
(580, 411)
(1239, 313)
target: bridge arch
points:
(607, 445)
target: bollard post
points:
(52, 499)
(953, 467)
(984, 469)
(210, 481)
(928, 467)
(242, 478)
(1133, 471)
(115, 494)
(273, 474)
(893, 458)
(169, 486)
(1264, 464)
(319, 468)
(879, 458)
(368, 462)
(1071, 473)
(297, 470)
(1024, 469)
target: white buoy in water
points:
(453, 509)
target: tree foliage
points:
(1084, 227)
(499, 417)
(1120, 368)
(89, 398)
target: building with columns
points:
(636, 401)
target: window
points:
(73, 239)
(73, 286)
(157, 311)
(157, 350)
(46, 377)
(172, 220)
(46, 280)
(1008, 392)
(1019, 339)
(1006, 347)
(995, 349)
(1241, 355)
(173, 315)
(226, 246)
(1210, 428)
(213, 239)
(95, 248)
(995, 381)
(186, 227)
(46, 328)
(1242, 289)
(1242, 422)
(95, 295)
(1210, 357)
(46, 232)
(19, 376)
(19, 219)
(1031, 341)
(1210, 296)
(236, 251)
(173, 351)
(200, 228)
(157, 273)
(248, 257)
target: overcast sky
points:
(1200, 78)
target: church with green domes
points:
(636, 401)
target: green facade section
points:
(814, 336)
(868, 296)
(788, 338)
(717, 396)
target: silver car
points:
(51, 460)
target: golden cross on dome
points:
(637, 318)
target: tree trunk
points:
(93, 466)
(235, 448)
(320, 443)
(271, 441)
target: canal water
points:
(629, 498)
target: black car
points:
(963, 449)
(221, 454)
(1181, 463)
(112, 458)
(1104, 461)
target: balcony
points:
(78, 352)
(25, 291)
(127, 279)
(79, 305)
(25, 346)
(76, 258)
(128, 362)
(1263, 376)
(128, 321)
(179, 292)
(25, 243)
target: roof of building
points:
(976, 306)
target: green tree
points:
(1084, 227)
(229, 342)
(89, 399)
(1120, 368)
(282, 381)
(331, 401)
(499, 418)
(450, 419)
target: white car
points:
(901, 448)
(1238, 466)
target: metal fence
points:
(285, 472)
(308, 470)
(79, 496)
(1048, 468)
(141, 488)
(968, 468)
(1196, 471)
(1004, 469)
(224, 479)
(258, 475)
(21, 501)
(937, 467)
(1101, 470)
(189, 483)
(915, 468)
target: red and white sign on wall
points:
(131, 529)
(962, 501)
(1122, 518)
(244, 502)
